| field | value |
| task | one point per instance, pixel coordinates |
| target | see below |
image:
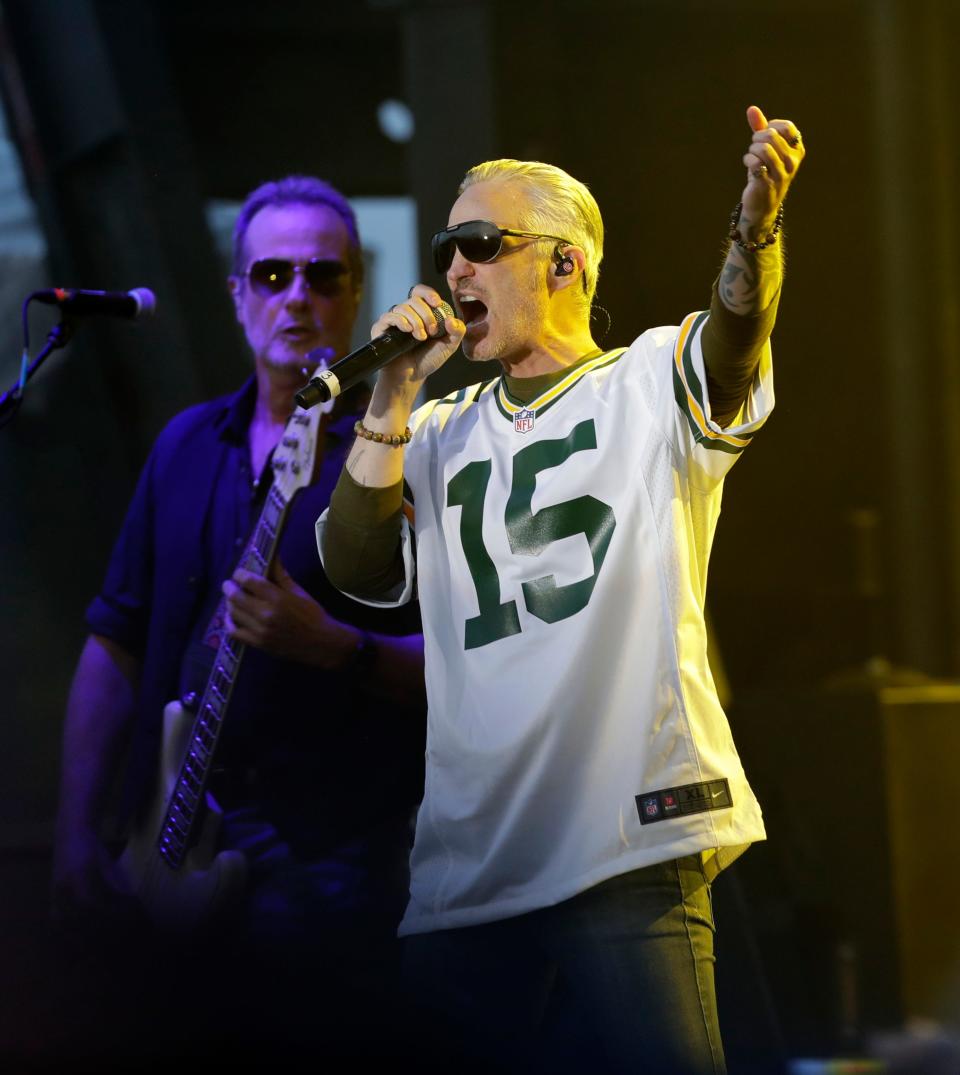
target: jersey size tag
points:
(523, 420)
(687, 799)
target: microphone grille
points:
(146, 301)
(442, 312)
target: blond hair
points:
(555, 203)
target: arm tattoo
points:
(356, 460)
(749, 280)
(737, 284)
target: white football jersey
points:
(574, 731)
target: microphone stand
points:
(59, 336)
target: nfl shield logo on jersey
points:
(523, 421)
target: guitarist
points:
(316, 771)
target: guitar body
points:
(180, 899)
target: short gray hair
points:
(299, 190)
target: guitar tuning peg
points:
(279, 464)
(290, 442)
(295, 467)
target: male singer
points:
(582, 786)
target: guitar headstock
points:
(294, 455)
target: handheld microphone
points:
(361, 363)
(136, 303)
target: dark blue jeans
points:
(619, 978)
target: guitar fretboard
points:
(185, 802)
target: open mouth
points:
(472, 310)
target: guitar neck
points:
(187, 797)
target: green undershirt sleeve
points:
(732, 345)
(361, 544)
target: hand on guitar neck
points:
(280, 617)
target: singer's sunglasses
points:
(477, 240)
(270, 276)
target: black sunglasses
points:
(270, 276)
(477, 240)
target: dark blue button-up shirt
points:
(332, 759)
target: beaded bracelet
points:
(392, 439)
(753, 246)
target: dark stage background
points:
(836, 573)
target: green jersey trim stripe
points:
(690, 399)
(461, 396)
(692, 381)
(510, 405)
(464, 397)
(681, 398)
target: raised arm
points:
(380, 465)
(744, 307)
(751, 274)
(361, 538)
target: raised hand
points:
(416, 316)
(772, 160)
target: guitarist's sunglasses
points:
(270, 276)
(477, 240)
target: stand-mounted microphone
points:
(139, 302)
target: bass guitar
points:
(170, 860)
